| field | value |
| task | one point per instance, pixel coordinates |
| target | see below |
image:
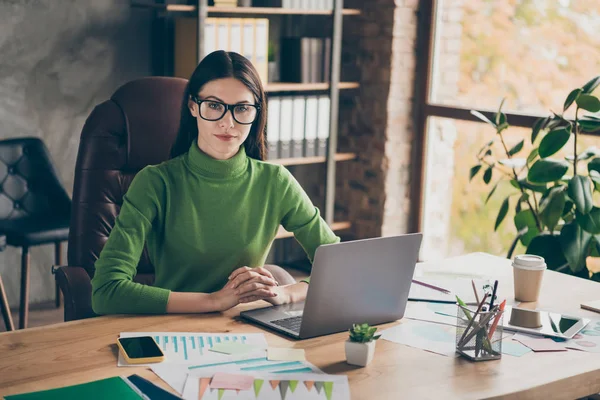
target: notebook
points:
(110, 388)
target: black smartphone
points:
(140, 350)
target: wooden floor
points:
(47, 313)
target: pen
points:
(431, 286)
(460, 342)
(494, 294)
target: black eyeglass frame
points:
(228, 107)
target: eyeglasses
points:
(211, 110)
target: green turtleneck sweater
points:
(201, 219)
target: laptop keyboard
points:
(292, 323)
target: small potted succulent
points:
(360, 347)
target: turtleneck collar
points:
(203, 164)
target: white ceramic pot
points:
(359, 353)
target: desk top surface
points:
(81, 351)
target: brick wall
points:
(376, 121)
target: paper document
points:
(285, 354)
(436, 338)
(223, 380)
(175, 375)
(273, 387)
(588, 339)
(233, 348)
(514, 348)
(191, 348)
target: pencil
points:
(475, 291)
(431, 286)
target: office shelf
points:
(212, 10)
(306, 87)
(313, 160)
(336, 226)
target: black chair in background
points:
(35, 208)
(8, 322)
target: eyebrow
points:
(218, 99)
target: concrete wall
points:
(58, 59)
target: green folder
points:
(110, 388)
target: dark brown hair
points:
(218, 65)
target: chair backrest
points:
(133, 129)
(29, 184)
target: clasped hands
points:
(247, 285)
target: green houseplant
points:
(360, 346)
(555, 213)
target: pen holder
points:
(479, 335)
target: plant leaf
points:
(589, 103)
(547, 170)
(580, 192)
(525, 219)
(474, 171)
(548, 246)
(513, 162)
(537, 127)
(517, 148)
(589, 125)
(589, 222)
(553, 142)
(491, 192)
(571, 98)
(591, 85)
(575, 242)
(587, 154)
(482, 117)
(594, 165)
(534, 153)
(484, 147)
(487, 175)
(552, 206)
(502, 213)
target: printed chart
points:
(194, 348)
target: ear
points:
(193, 107)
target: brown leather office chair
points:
(133, 129)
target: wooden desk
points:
(81, 351)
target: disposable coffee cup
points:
(528, 272)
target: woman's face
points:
(222, 139)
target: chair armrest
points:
(76, 286)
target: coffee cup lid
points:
(529, 261)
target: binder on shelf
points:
(316, 60)
(273, 126)
(248, 39)
(235, 35)
(299, 115)
(222, 34)
(323, 125)
(285, 127)
(326, 59)
(310, 128)
(185, 44)
(262, 48)
(295, 59)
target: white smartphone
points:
(542, 322)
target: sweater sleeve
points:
(300, 216)
(113, 289)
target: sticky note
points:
(223, 380)
(514, 348)
(233, 348)
(285, 354)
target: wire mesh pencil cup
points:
(479, 335)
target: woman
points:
(210, 213)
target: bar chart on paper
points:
(274, 387)
(193, 347)
(257, 364)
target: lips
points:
(225, 137)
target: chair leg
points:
(5, 309)
(58, 263)
(24, 310)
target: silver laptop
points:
(351, 282)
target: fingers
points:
(258, 294)
(237, 272)
(254, 284)
(252, 274)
